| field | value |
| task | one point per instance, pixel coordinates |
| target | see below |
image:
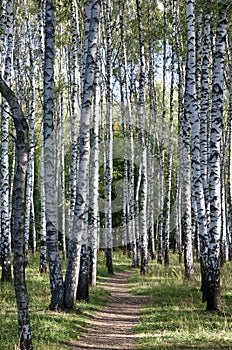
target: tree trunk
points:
(31, 112)
(94, 229)
(192, 110)
(109, 139)
(80, 223)
(204, 148)
(170, 151)
(213, 287)
(189, 271)
(49, 138)
(130, 227)
(7, 63)
(160, 234)
(75, 109)
(43, 245)
(140, 111)
(24, 331)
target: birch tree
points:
(189, 271)
(162, 143)
(20, 261)
(213, 285)
(170, 150)
(94, 224)
(131, 170)
(230, 162)
(80, 223)
(204, 137)
(192, 110)
(7, 63)
(43, 245)
(49, 138)
(31, 111)
(109, 139)
(140, 111)
(75, 107)
(83, 278)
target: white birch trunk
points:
(7, 62)
(170, 151)
(131, 183)
(193, 115)
(230, 165)
(75, 109)
(49, 139)
(94, 229)
(80, 223)
(31, 112)
(24, 330)
(143, 149)
(43, 235)
(213, 287)
(109, 139)
(162, 145)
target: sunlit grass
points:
(175, 317)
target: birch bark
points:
(143, 149)
(49, 139)
(80, 223)
(18, 216)
(213, 286)
(7, 63)
(109, 139)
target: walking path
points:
(112, 327)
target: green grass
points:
(175, 317)
(50, 330)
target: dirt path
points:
(112, 327)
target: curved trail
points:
(112, 327)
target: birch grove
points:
(116, 127)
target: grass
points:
(175, 317)
(50, 330)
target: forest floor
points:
(112, 327)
